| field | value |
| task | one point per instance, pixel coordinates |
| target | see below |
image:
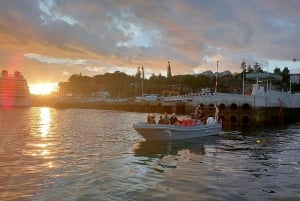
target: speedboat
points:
(181, 130)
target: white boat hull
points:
(175, 132)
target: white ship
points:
(14, 91)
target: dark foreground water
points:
(73, 154)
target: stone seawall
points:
(229, 114)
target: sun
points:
(42, 88)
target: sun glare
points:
(42, 88)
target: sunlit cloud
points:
(59, 38)
(65, 73)
(95, 69)
(51, 60)
(137, 34)
(47, 9)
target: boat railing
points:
(185, 98)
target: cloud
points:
(92, 36)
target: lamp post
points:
(216, 87)
(243, 66)
(143, 75)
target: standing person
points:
(166, 118)
(217, 114)
(173, 119)
(199, 112)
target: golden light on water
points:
(45, 152)
(41, 147)
(45, 120)
(50, 165)
(42, 88)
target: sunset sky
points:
(49, 40)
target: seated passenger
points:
(173, 119)
(148, 118)
(161, 121)
(152, 119)
(166, 118)
(210, 120)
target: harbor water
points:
(85, 154)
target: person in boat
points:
(217, 113)
(166, 118)
(210, 120)
(161, 120)
(151, 119)
(173, 119)
(199, 112)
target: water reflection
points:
(159, 149)
(39, 144)
(45, 121)
(49, 154)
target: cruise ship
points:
(14, 90)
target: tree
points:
(250, 69)
(80, 85)
(285, 73)
(243, 67)
(121, 85)
(286, 78)
(277, 71)
(257, 68)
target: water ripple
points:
(74, 154)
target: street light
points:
(216, 87)
(143, 76)
(294, 60)
(243, 66)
